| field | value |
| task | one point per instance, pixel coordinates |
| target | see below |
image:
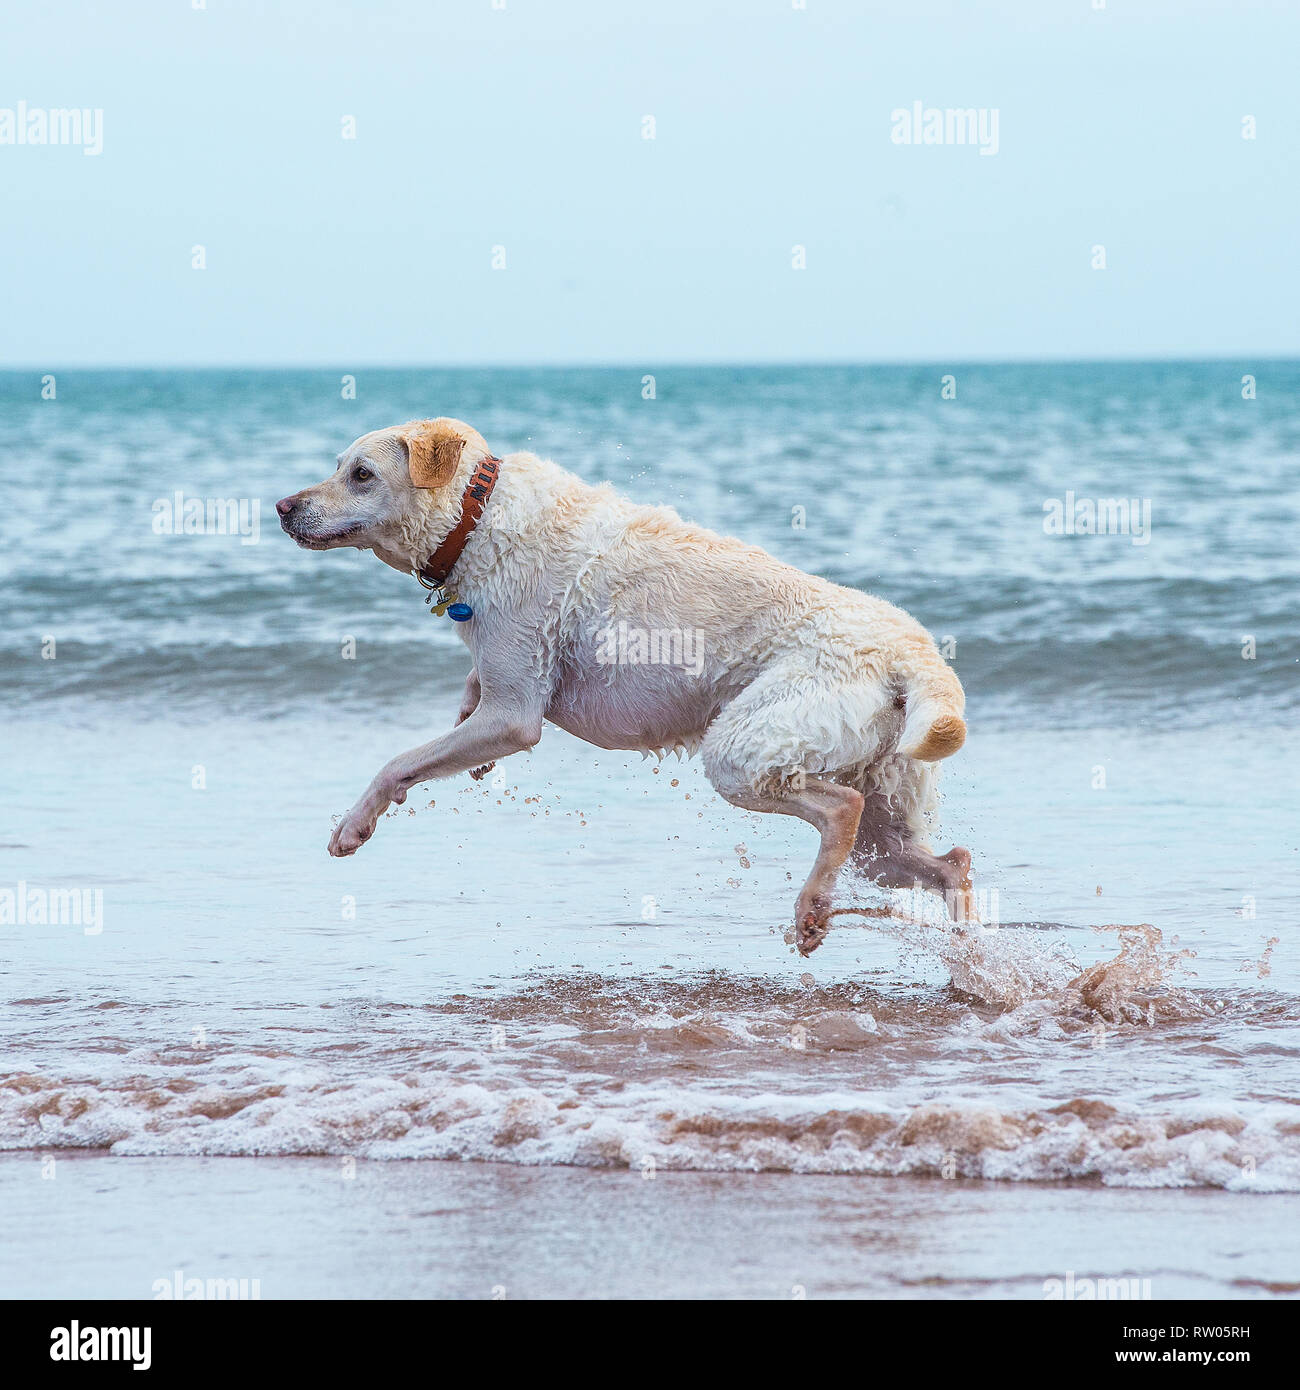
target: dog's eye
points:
(363, 475)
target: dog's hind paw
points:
(811, 923)
(959, 892)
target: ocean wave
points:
(644, 1127)
(1183, 681)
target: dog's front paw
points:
(353, 831)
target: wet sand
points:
(112, 1227)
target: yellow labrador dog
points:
(634, 629)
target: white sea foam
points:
(1240, 1148)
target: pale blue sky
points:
(479, 127)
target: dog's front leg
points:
(469, 699)
(491, 732)
(468, 704)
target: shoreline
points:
(299, 1228)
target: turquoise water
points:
(936, 504)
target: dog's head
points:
(389, 489)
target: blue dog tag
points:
(460, 612)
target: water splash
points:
(1134, 987)
(1006, 967)
(1000, 966)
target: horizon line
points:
(628, 365)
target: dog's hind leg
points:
(833, 811)
(747, 768)
(887, 852)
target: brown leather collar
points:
(477, 491)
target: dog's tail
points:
(933, 727)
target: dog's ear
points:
(432, 456)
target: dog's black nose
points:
(286, 504)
